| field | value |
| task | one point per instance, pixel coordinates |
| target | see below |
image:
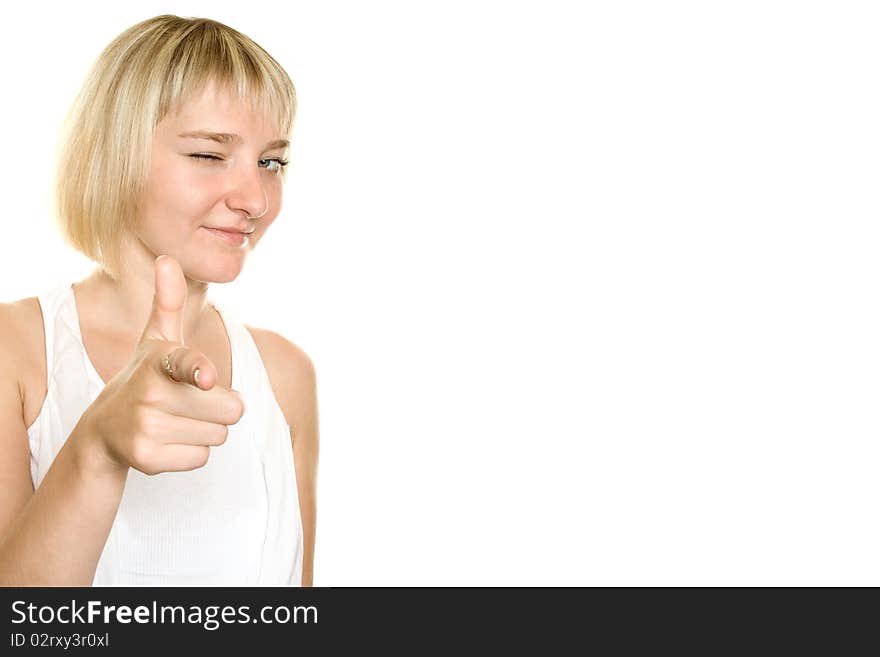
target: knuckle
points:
(237, 409)
(189, 355)
(178, 356)
(141, 454)
(203, 456)
(211, 437)
(151, 425)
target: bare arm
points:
(142, 419)
(57, 538)
(55, 535)
(305, 450)
(301, 408)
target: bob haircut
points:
(151, 68)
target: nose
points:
(249, 194)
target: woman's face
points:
(187, 195)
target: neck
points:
(122, 307)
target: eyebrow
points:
(229, 138)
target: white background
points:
(590, 288)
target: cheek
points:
(182, 188)
(275, 197)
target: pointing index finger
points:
(171, 368)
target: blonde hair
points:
(151, 68)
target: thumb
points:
(166, 318)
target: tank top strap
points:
(250, 378)
(265, 424)
(52, 298)
(233, 328)
(68, 390)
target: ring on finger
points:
(167, 365)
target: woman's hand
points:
(162, 411)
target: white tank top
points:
(233, 522)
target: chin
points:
(226, 279)
(218, 274)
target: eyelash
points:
(281, 163)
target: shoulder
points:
(22, 346)
(21, 317)
(11, 334)
(291, 373)
(21, 330)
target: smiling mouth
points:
(231, 230)
(229, 236)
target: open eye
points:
(281, 164)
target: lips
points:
(235, 237)
(232, 230)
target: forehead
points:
(215, 108)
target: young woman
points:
(148, 437)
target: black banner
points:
(117, 619)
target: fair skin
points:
(183, 195)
